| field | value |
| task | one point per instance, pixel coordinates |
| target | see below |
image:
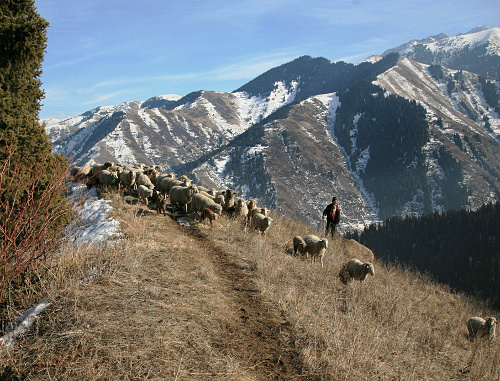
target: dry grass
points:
(195, 303)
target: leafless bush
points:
(32, 210)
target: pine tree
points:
(22, 39)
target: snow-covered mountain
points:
(477, 51)
(388, 136)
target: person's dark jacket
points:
(332, 217)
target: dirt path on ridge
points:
(261, 337)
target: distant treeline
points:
(459, 248)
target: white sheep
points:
(478, 326)
(143, 179)
(261, 222)
(144, 192)
(200, 201)
(182, 196)
(108, 179)
(299, 245)
(127, 179)
(82, 173)
(355, 269)
(316, 247)
(241, 208)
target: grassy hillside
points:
(196, 303)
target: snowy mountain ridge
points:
(293, 137)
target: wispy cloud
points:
(104, 97)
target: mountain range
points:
(411, 131)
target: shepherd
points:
(332, 213)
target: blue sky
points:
(105, 52)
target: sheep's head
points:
(268, 222)
(325, 243)
(302, 247)
(369, 269)
(491, 322)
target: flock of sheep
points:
(151, 183)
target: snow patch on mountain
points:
(254, 109)
(116, 143)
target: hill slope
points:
(191, 302)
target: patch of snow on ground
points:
(92, 227)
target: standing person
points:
(332, 213)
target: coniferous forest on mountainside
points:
(459, 248)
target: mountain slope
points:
(391, 137)
(477, 51)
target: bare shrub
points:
(33, 211)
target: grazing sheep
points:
(316, 247)
(182, 196)
(208, 213)
(161, 205)
(200, 201)
(478, 326)
(299, 245)
(162, 176)
(355, 269)
(99, 167)
(165, 183)
(82, 173)
(241, 208)
(127, 179)
(143, 179)
(261, 222)
(144, 192)
(107, 178)
(219, 199)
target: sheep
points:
(355, 269)
(229, 196)
(241, 208)
(251, 204)
(316, 247)
(127, 179)
(299, 245)
(219, 199)
(143, 179)
(108, 178)
(144, 192)
(99, 167)
(161, 205)
(151, 174)
(479, 326)
(74, 170)
(164, 184)
(208, 213)
(261, 222)
(82, 173)
(180, 195)
(161, 176)
(201, 201)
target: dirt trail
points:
(262, 338)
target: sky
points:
(106, 52)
